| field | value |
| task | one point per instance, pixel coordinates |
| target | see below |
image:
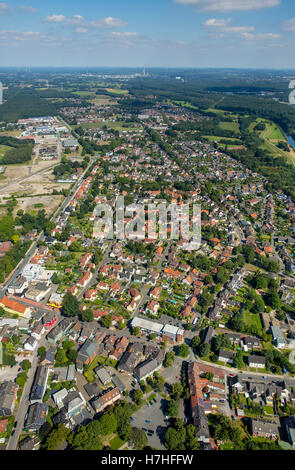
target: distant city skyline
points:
(158, 33)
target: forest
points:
(20, 151)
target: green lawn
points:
(218, 138)
(3, 150)
(230, 126)
(90, 374)
(116, 443)
(252, 319)
(84, 94)
(268, 410)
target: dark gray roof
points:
(36, 415)
(92, 389)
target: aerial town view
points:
(147, 227)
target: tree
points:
(261, 281)
(108, 424)
(258, 306)
(56, 437)
(68, 345)
(169, 359)
(183, 350)
(173, 408)
(138, 438)
(107, 321)
(15, 338)
(204, 349)
(26, 365)
(176, 391)
(41, 351)
(21, 379)
(61, 357)
(136, 331)
(196, 342)
(239, 361)
(70, 305)
(273, 300)
(171, 439)
(220, 342)
(72, 355)
(137, 396)
(87, 315)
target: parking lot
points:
(157, 423)
(8, 373)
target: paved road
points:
(24, 403)
(41, 236)
(262, 376)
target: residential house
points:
(36, 417)
(8, 396)
(257, 362)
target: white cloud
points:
(4, 8)
(55, 19)
(28, 9)
(81, 30)
(230, 5)
(289, 25)
(224, 26)
(125, 34)
(20, 35)
(78, 20)
(260, 37)
(108, 22)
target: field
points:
(104, 100)
(11, 133)
(271, 135)
(230, 126)
(3, 150)
(84, 94)
(34, 204)
(117, 91)
(216, 138)
(252, 319)
(34, 190)
(185, 105)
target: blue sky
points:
(153, 33)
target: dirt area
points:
(50, 204)
(14, 172)
(37, 184)
(12, 133)
(41, 184)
